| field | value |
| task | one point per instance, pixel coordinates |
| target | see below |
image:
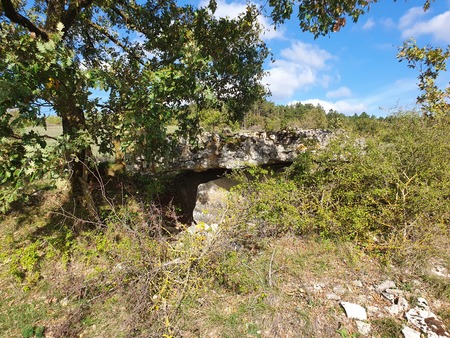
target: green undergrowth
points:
(365, 210)
(120, 281)
(387, 193)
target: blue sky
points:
(356, 69)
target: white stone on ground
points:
(387, 284)
(333, 296)
(410, 333)
(425, 320)
(354, 311)
(339, 289)
(363, 327)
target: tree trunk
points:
(65, 101)
(73, 121)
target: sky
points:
(355, 70)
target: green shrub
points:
(388, 192)
(233, 273)
(270, 202)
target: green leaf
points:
(41, 47)
(60, 27)
(50, 45)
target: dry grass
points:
(118, 282)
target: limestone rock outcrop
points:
(213, 151)
(212, 200)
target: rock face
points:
(211, 156)
(212, 199)
(213, 151)
(184, 191)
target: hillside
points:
(364, 223)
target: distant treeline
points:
(269, 116)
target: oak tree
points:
(118, 72)
(148, 62)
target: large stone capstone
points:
(232, 151)
(211, 156)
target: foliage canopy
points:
(148, 63)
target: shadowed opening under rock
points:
(184, 192)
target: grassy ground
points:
(287, 253)
(61, 278)
(52, 130)
(55, 130)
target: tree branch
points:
(129, 23)
(18, 18)
(72, 13)
(114, 40)
(121, 14)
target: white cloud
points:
(344, 107)
(410, 17)
(225, 9)
(369, 24)
(301, 66)
(341, 106)
(285, 78)
(399, 95)
(387, 23)
(438, 27)
(340, 92)
(326, 79)
(306, 54)
(233, 9)
(390, 94)
(269, 32)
